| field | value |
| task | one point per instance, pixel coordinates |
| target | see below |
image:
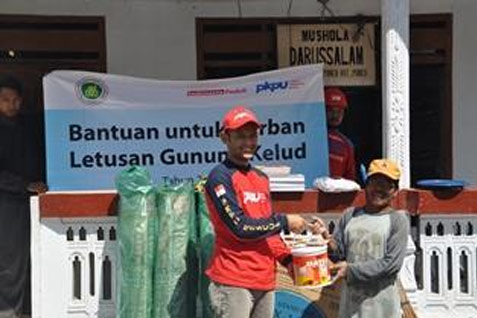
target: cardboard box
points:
(298, 302)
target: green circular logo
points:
(91, 91)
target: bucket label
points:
(311, 270)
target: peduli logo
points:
(216, 92)
(91, 90)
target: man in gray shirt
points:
(369, 246)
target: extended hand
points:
(37, 187)
(341, 269)
(296, 223)
(318, 226)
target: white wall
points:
(465, 90)
(156, 39)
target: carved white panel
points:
(395, 82)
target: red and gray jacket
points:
(341, 159)
(247, 243)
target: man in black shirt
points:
(18, 180)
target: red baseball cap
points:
(334, 97)
(237, 117)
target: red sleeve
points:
(220, 190)
(350, 172)
(280, 251)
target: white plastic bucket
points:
(310, 266)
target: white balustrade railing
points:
(74, 266)
(449, 273)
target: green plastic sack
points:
(175, 275)
(206, 248)
(137, 230)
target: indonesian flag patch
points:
(219, 190)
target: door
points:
(32, 46)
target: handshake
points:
(298, 224)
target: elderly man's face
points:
(379, 191)
(10, 102)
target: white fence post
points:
(449, 245)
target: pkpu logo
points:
(276, 86)
(271, 86)
(91, 90)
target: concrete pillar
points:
(395, 83)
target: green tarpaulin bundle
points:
(205, 249)
(165, 240)
(176, 272)
(137, 233)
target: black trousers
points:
(14, 253)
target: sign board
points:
(98, 124)
(346, 50)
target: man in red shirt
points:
(341, 150)
(247, 244)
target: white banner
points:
(98, 124)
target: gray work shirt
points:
(374, 245)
